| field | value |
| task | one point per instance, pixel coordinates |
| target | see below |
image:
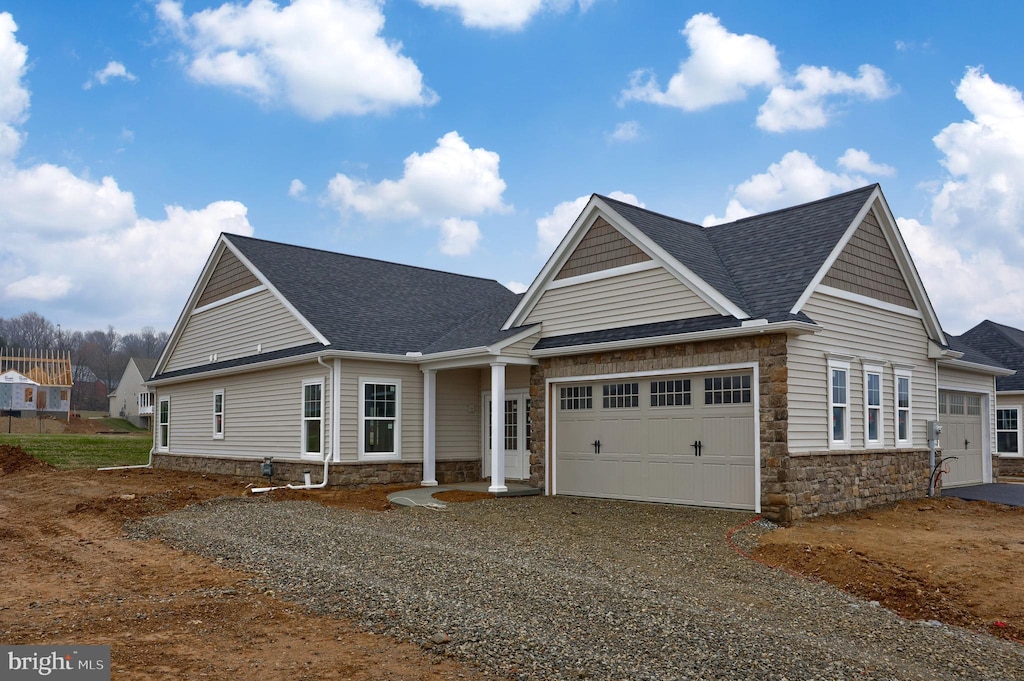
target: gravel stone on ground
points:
(563, 588)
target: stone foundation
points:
(841, 481)
(346, 474)
(1010, 466)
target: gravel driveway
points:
(561, 588)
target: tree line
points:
(102, 353)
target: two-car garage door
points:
(686, 439)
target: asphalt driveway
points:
(560, 588)
(998, 493)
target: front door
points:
(517, 435)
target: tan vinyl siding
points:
(602, 248)
(517, 377)
(968, 381)
(868, 334)
(867, 267)
(412, 405)
(262, 413)
(638, 298)
(235, 329)
(229, 277)
(457, 434)
(522, 348)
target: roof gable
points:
(867, 266)
(230, 276)
(1003, 343)
(602, 248)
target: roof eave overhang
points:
(974, 366)
(794, 328)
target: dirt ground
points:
(942, 559)
(70, 576)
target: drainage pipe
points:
(140, 465)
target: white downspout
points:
(331, 452)
(142, 465)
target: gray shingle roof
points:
(762, 263)
(1002, 343)
(366, 305)
(145, 365)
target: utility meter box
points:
(934, 429)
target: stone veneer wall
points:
(792, 486)
(1007, 465)
(339, 474)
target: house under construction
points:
(35, 382)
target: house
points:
(1006, 345)
(785, 363)
(48, 389)
(132, 400)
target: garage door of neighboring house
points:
(684, 439)
(962, 437)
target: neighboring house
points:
(49, 389)
(785, 363)
(132, 400)
(90, 391)
(1006, 345)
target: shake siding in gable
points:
(624, 300)
(412, 405)
(235, 329)
(458, 414)
(262, 413)
(866, 333)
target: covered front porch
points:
(478, 407)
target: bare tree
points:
(146, 343)
(30, 330)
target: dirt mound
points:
(133, 506)
(14, 459)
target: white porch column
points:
(497, 428)
(429, 427)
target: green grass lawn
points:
(85, 451)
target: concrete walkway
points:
(997, 492)
(424, 496)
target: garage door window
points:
(973, 405)
(620, 395)
(670, 393)
(1007, 431)
(576, 397)
(956, 404)
(727, 389)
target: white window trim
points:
(899, 373)
(835, 364)
(162, 446)
(1020, 435)
(880, 440)
(218, 435)
(380, 456)
(302, 416)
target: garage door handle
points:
(697, 446)
(597, 446)
(966, 443)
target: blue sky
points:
(465, 135)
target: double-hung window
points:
(380, 416)
(163, 441)
(903, 396)
(873, 414)
(313, 417)
(218, 414)
(1008, 430)
(839, 403)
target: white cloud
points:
(809, 104)
(517, 286)
(296, 189)
(627, 131)
(721, 68)
(553, 226)
(510, 15)
(970, 254)
(451, 179)
(458, 237)
(321, 58)
(859, 161)
(75, 245)
(796, 178)
(113, 69)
